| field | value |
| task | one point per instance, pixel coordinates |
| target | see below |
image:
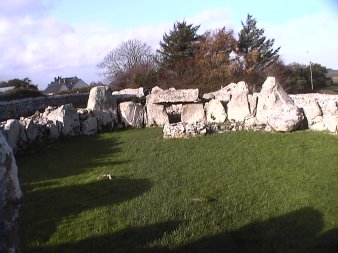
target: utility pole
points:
(310, 71)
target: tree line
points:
(186, 59)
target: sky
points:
(42, 39)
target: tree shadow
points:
(128, 240)
(298, 231)
(68, 157)
(45, 209)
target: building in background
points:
(65, 84)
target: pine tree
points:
(255, 49)
(179, 44)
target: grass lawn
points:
(232, 192)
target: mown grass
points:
(233, 192)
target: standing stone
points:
(54, 129)
(10, 198)
(238, 106)
(67, 115)
(32, 131)
(314, 115)
(192, 113)
(276, 108)
(12, 130)
(89, 126)
(330, 118)
(156, 115)
(131, 114)
(215, 111)
(104, 107)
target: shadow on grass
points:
(45, 209)
(298, 231)
(69, 157)
(48, 201)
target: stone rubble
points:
(182, 129)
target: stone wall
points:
(324, 100)
(28, 106)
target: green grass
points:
(232, 192)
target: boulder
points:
(156, 89)
(89, 126)
(215, 111)
(128, 94)
(156, 115)
(285, 119)
(181, 129)
(12, 129)
(84, 113)
(275, 106)
(173, 96)
(330, 118)
(224, 94)
(192, 113)
(10, 198)
(104, 107)
(312, 110)
(67, 115)
(208, 96)
(32, 131)
(238, 106)
(54, 129)
(131, 114)
(105, 120)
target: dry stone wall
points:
(26, 107)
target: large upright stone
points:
(330, 118)
(156, 115)
(89, 126)
(131, 114)
(192, 113)
(69, 118)
(10, 198)
(238, 106)
(173, 96)
(104, 107)
(12, 130)
(276, 108)
(32, 131)
(215, 111)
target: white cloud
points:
(26, 7)
(41, 47)
(316, 34)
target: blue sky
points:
(46, 38)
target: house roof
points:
(60, 84)
(55, 87)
